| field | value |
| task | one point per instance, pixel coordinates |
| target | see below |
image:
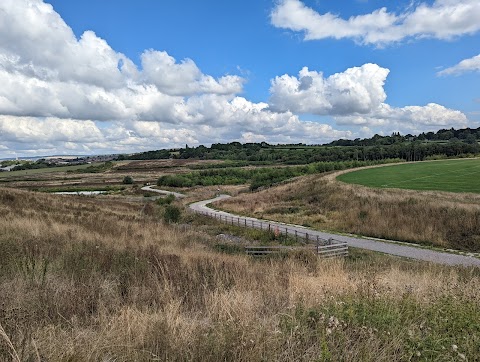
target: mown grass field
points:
(449, 175)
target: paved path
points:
(387, 247)
(164, 192)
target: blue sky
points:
(89, 76)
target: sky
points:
(117, 76)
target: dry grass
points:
(141, 171)
(85, 279)
(433, 218)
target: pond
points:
(88, 193)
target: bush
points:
(172, 214)
(166, 200)
(127, 180)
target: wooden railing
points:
(321, 247)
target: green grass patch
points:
(449, 175)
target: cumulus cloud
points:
(185, 78)
(444, 19)
(465, 66)
(45, 71)
(31, 135)
(356, 97)
(409, 119)
(80, 94)
(357, 90)
(61, 94)
(28, 129)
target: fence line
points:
(322, 247)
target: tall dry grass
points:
(432, 218)
(85, 279)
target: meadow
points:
(103, 279)
(447, 175)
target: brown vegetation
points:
(432, 218)
(150, 165)
(90, 279)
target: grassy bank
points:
(84, 279)
(430, 218)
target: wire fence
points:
(322, 247)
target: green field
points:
(449, 175)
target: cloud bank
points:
(444, 19)
(61, 94)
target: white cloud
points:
(444, 19)
(30, 135)
(466, 65)
(62, 94)
(357, 90)
(356, 97)
(409, 119)
(185, 78)
(29, 129)
(45, 71)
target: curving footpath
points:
(386, 247)
(163, 192)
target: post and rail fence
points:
(321, 247)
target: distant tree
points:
(471, 139)
(445, 135)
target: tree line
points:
(442, 144)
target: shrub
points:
(166, 200)
(127, 180)
(172, 214)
